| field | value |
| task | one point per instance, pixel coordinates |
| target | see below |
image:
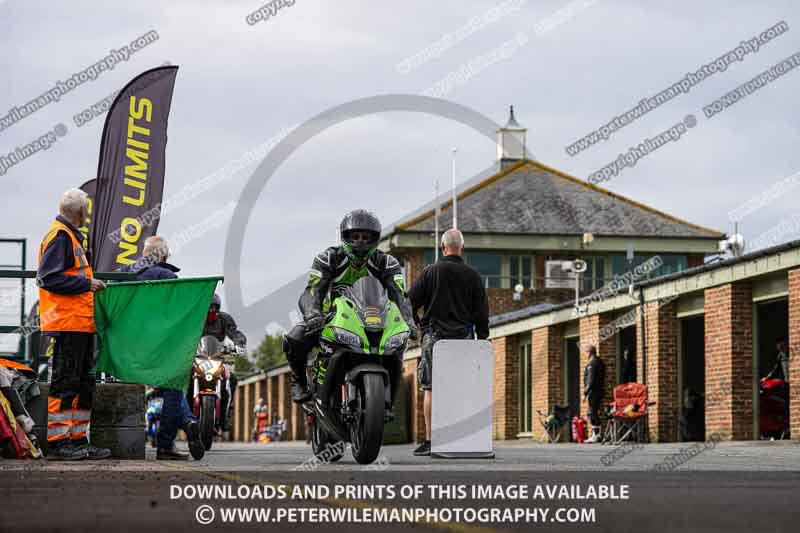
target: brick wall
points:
(272, 396)
(296, 428)
(695, 260)
(794, 349)
(285, 403)
(661, 327)
(248, 423)
(547, 357)
(502, 300)
(590, 333)
(414, 263)
(415, 398)
(729, 361)
(238, 418)
(505, 418)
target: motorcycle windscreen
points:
(209, 346)
(371, 300)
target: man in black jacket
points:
(455, 307)
(594, 378)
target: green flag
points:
(149, 330)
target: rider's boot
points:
(297, 362)
(300, 391)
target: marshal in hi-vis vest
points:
(67, 312)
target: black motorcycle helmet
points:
(360, 231)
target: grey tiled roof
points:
(535, 200)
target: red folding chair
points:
(628, 413)
(773, 397)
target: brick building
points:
(712, 328)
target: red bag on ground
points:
(578, 429)
(12, 436)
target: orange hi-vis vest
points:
(67, 312)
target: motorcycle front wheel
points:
(208, 408)
(321, 441)
(366, 432)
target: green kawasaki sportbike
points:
(356, 372)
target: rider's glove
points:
(314, 323)
(413, 332)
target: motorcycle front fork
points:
(196, 396)
(349, 409)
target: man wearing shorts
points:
(454, 305)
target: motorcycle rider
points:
(337, 267)
(220, 325)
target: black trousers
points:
(594, 411)
(297, 344)
(72, 386)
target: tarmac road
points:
(741, 486)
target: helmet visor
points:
(361, 241)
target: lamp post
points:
(436, 219)
(455, 203)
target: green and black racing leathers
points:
(331, 271)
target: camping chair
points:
(555, 422)
(773, 398)
(628, 413)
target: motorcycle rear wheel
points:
(366, 433)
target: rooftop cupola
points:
(511, 142)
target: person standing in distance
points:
(594, 380)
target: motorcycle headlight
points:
(347, 338)
(395, 342)
(209, 377)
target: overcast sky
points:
(240, 85)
